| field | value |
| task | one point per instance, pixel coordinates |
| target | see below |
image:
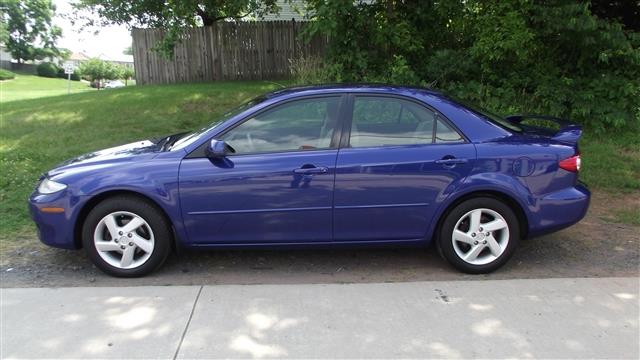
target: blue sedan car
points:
(316, 166)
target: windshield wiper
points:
(165, 142)
(172, 139)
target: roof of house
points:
(78, 56)
(119, 58)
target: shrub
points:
(6, 74)
(554, 58)
(307, 70)
(47, 69)
(399, 72)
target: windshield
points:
(189, 137)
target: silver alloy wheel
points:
(480, 236)
(124, 240)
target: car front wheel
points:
(479, 235)
(126, 236)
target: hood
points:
(107, 157)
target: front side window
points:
(379, 121)
(306, 124)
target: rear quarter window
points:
(445, 134)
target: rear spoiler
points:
(569, 132)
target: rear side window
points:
(379, 121)
(382, 121)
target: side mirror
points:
(217, 149)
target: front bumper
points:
(558, 210)
(56, 229)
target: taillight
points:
(570, 164)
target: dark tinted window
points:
(379, 121)
(299, 125)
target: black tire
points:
(163, 235)
(446, 246)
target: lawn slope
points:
(26, 86)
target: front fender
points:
(155, 179)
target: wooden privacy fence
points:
(251, 50)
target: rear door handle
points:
(451, 161)
(311, 170)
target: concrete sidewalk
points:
(550, 318)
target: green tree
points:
(173, 16)
(128, 50)
(520, 56)
(4, 31)
(97, 71)
(625, 11)
(373, 40)
(29, 29)
(127, 74)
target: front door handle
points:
(311, 170)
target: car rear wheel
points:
(479, 235)
(126, 236)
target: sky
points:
(110, 41)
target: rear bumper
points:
(559, 210)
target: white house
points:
(122, 60)
(5, 57)
(76, 58)
(289, 10)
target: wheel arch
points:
(509, 200)
(95, 200)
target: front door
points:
(276, 187)
(401, 159)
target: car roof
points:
(351, 87)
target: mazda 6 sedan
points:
(357, 165)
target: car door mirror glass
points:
(218, 149)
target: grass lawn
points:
(37, 134)
(26, 86)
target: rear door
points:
(398, 158)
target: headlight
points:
(49, 187)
